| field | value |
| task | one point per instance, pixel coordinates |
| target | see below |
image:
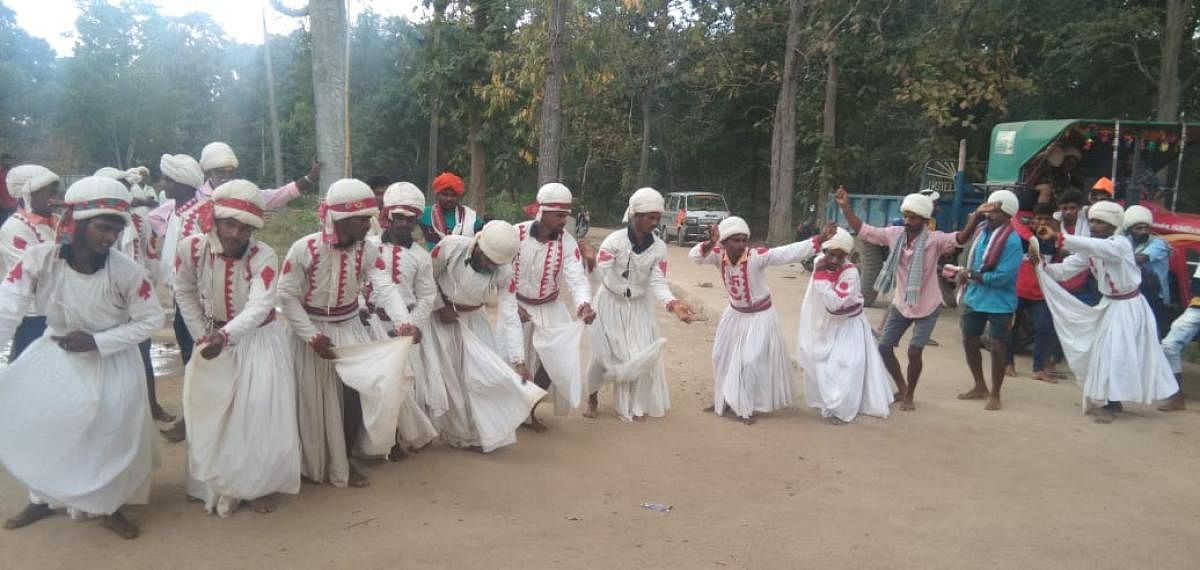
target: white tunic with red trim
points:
(626, 345)
(21, 231)
(75, 427)
(411, 271)
(843, 373)
(245, 444)
(1112, 348)
(182, 222)
(486, 401)
(752, 372)
(540, 270)
(319, 288)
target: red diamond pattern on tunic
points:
(18, 242)
(15, 274)
(267, 275)
(604, 256)
(144, 290)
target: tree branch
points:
(293, 12)
(1137, 57)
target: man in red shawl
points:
(447, 216)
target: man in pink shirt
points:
(220, 164)
(918, 297)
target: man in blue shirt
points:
(1153, 256)
(990, 278)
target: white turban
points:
(499, 241)
(1135, 215)
(404, 196)
(841, 240)
(917, 204)
(26, 179)
(91, 197)
(182, 169)
(217, 155)
(645, 200)
(346, 198)
(110, 172)
(1009, 204)
(1109, 212)
(553, 197)
(932, 194)
(732, 226)
(241, 200)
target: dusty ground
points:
(947, 486)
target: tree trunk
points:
(328, 22)
(643, 176)
(783, 137)
(828, 137)
(435, 104)
(276, 154)
(550, 137)
(477, 187)
(1169, 88)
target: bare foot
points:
(263, 505)
(976, 393)
(1173, 404)
(176, 433)
(1043, 376)
(117, 523)
(592, 403)
(30, 514)
(536, 425)
(834, 421)
(908, 405)
(639, 418)
(397, 454)
(933, 343)
(160, 415)
(749, 421)
(1011, 371)
(358, 480)
(993, 404)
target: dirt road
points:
(947, 486)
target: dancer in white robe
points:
(487, 388)
(1113, 347)
(220, 165)
(33, 223)
(548, 256)
(626, 345)
(75, 426)
(752, 372)
(319, 289)
(411, 271)
(239, 395)
(844, 374)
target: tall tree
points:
(272, 111)
(550, 132)
(783, 134)
(1178, 19)
(328, 21)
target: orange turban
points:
(1104, 185)
(448, 181)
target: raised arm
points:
(843, 201)
(1108, 249)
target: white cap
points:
(217, 155)
(732, 226)
(499, 241)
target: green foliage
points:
(914, 78)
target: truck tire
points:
(869, 259)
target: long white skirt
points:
(1112, 348)
(843, 373)
(75, 428)
(486, 399)
(752, 372)
(551, 340)
(319, 403)
(243, 441)
(626, 352)
(424, 397)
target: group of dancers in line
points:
(361, 343)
